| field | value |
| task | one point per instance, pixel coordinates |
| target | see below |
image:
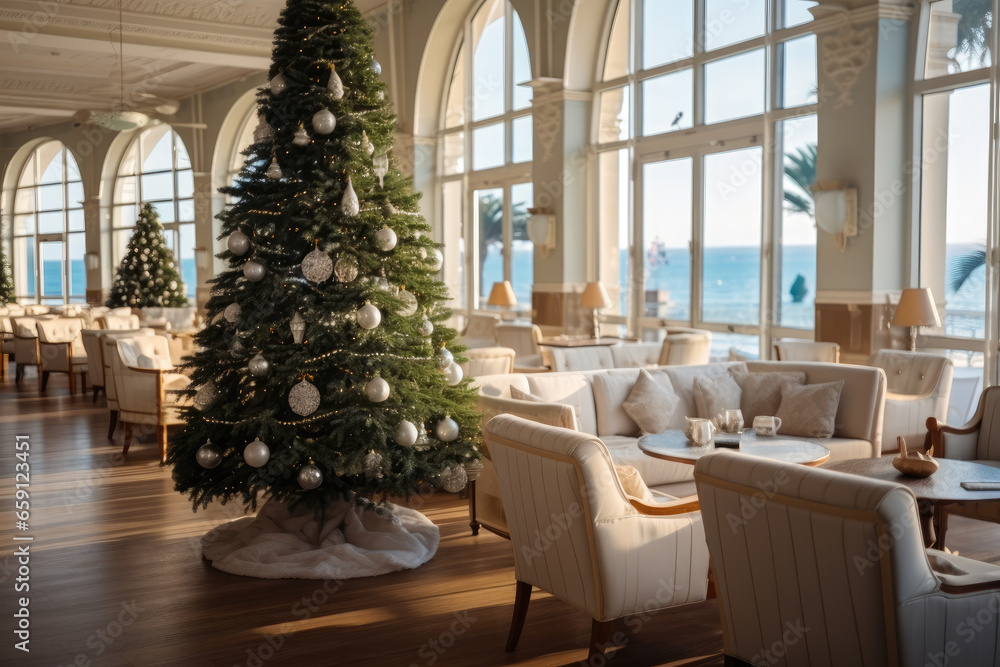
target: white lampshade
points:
(595, 296)
(916, 309)
(502, 294)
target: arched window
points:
(156, 169)
(685, 95)
(485, 144)
(49, 245)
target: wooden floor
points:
(117, 576)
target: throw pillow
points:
(809, 410)
(568, 417)
(712, 395)
(650, 405)
(633, 484)
(761, 392)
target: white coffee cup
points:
(764, 425)
(702, 432)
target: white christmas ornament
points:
(256, 454)
(380, 165)
(369, 316)
(254, 271)
(409, 306)
(278, 84)
(205, 396)
(454, 373)
(232, 312)
(335, 85)
(376, 67)
(406, 434)
(377, 390)
(274, 170)
(303, 399)
(301, 137)
(350, 202)
(208, 455)
(445, 357)
(366, 144)
(426, 327)
(298, 327)
(346, 269)
(454, 479)
(386, 239)
(259, 366)
(436, 259)
(446, 430)
(373, 465)
(324, 121)
(310, 477)
(317, 266)
(238, 243)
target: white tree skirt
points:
(353, 542)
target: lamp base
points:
(913, 339)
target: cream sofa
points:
(574, 399)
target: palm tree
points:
(964, 265)
(491, 225)
(976, 16)
(800, 169)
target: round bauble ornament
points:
(205, 396)
(301, 137)
(445, 357)
(377, 390)
(232, 312)
(369, 316)
(366, 144)
(409, 306)
(278, 84)
(256, 454)
(454, 374)
(385, 238)
(274, 170)
(350, 204)
(310, 477)
(422, 252)
(208, 455)
(317, 266)
(373, 465)
(376, 67)
(446, 430)
(259, 366)
(254, 271)
(238, 243)
(346, 269)
(236, 349)
(426, 328)
(380, 165)
(454, 479)
(303, 399)
(435, 259)
(324, 122)
(382, 283)
(406, 434)
(335, 85)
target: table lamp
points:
(502, 295)
(916, 309)
(595, 297)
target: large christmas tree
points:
(147, 275)
(6, 284)
(325, 371)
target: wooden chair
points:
(61, 350)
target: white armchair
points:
(919, 387)
(615, 554)
(61, 350)
(488, 361)
(109, 356)
(171, 319)
(686, 347)
(590, 358)
(525, 340)
(26, 352)
(481, 330)
(817, 567)
(114, 322)
(806, 350)
(148, 391)
(6, 343)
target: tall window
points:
(486, 149)
(49, 245)
(156, 169)
(685, 95)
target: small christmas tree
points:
(147, 275)
(6, 284)
(326, 372)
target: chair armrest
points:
(954, 442)
(679, 506)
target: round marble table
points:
(675, 446)
(942, 488)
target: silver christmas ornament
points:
(426, 328)
(208, 455)
(310, 477)
(238, 243)
(446, 430)
(383, 284)
(298, 327)
(256, 454)
(259, 366)
(368, 316)
(205, 396)
(278, 84)
(376, 67)
(350, 204)
(303, 399)
(445, 357)
(454, 479)
(254, 271)
(373, 465)
(435, 259)
(377, 390)
(406, 434)
(454, 374)
(409, 306)
(317, 266)
(301, 137)
(366, 144)
(335, 85)
(232, 312)
(346, 269)
(324, 122)
(236, 349)
(386, 239)
(274, 170)
(380, 164)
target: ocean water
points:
(52, 288)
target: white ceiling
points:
(62, 56)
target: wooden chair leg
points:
(473, 523)
(72, 381)
(128, 438)
(941, 519)
(3, 363)
(43, 379)
(83, 382)
(600, 633)
(94, 389)
(521, 599)
(113, 424)
(161, 436)
(18, 373)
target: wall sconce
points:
(836, 209)
(201, 257)
(542, 230)
(92, 261)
